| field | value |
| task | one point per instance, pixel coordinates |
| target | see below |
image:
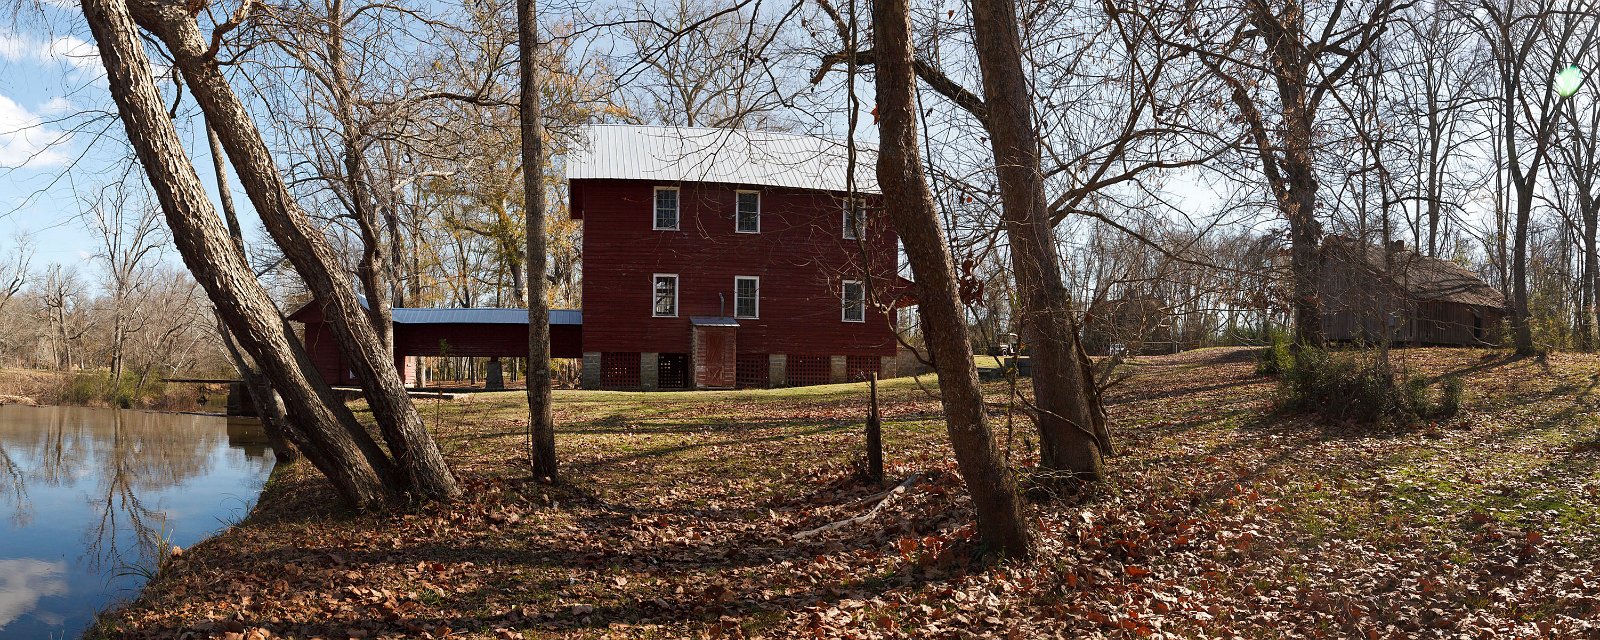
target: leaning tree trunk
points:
(910, 206)
(328, 433)
(541, 422)
(1072, 428)
(269, 407)
(422, 468)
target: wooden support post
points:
(874, 434)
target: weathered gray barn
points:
(1368, 292)
(1139, 325)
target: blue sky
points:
(59, 137)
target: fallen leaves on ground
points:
(677, 512)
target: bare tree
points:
(14, 270)
(324, 429)
(700, 64)
(130, 238)
(1072, 428)
(422, 470)
(15, 274)
(1529, 42)
(1433, 91)
(1281, 60)
(62, 302)
(1580, 162)
(1001, 523)
(541, 422)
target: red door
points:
(714, 359)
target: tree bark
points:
(328, 432)
(1072, 428)
(1297, 195)
(1521, 328)
(422, 470)
(1586, 294)
(269, 407)
(541, 422)
(1589, 210)
(910, 206)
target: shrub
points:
(83, 389)
(98, 389)
(1452, 392)
(1276, 357)
(1356, 387)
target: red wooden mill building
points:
(712, 259)
(476, 333)
(715, 258)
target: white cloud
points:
(69, 51)
(55, 106)
(23, 581)
(25, 139)
(12, 46)
(73, 51)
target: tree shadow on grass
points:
(706, 607)
(739, 573)
(1490, 362)
(1178, 391)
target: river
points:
(92, 499)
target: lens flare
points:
(1568, 81)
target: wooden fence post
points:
(874, 435)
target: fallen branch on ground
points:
(888, 497)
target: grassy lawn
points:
(1222, 518)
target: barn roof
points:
(404, 315)
(732, 156)
(419, 315)
(713, 321)
(1425, 278)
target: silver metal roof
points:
(713, 321)
(734, 156)
(481, 316)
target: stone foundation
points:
(649, 368)
(591, 370)
(777, 370)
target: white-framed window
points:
(747, 212)
(855, 218)
(664, 293)
(854, 294)
(746, 297)
(666, 208)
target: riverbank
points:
(94, 389)
(678, 515)
(92, 499)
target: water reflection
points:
(23, 581)
(91, 499)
